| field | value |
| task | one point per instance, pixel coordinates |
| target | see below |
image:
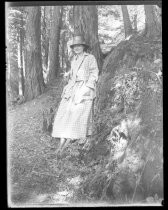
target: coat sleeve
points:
(69, 73)
(93, 72)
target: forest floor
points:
(30, 149)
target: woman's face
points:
(78, 49)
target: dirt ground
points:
(29, 148)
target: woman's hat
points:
(78, 40)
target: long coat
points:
(73, 118)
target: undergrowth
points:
(128, 122)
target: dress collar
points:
(84, 54)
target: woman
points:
(74, 113)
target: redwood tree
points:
(127, 23)
(53, 65)
(45, 12)
(34, 82)
(21, 39)
(153, 25)
(86, 23)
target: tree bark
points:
(21, 55)
(127, 23)
(63, 53)
(45, 35)
(19, 65)
(34, 82)
(54, 65)
(86, 23)
(152, 27)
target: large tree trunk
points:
(127, 22)
(21, 55)
(53, 60)
(119, 64)
(34, 82)
(153, 26)
(45, 35)
(63, 52)
(8, 73)
(19, 65)
(86, 23)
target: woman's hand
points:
(80, 93)
(66, 75)
(78, 99)
(85, 90)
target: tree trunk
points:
(152, 27)
(8, 71)
(86, 23)
(19, 66)
(53, 65)
(45, 36)
(21, 55)
(127, 22)
(34, 82)
(63, 51)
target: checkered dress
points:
(74, 120)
